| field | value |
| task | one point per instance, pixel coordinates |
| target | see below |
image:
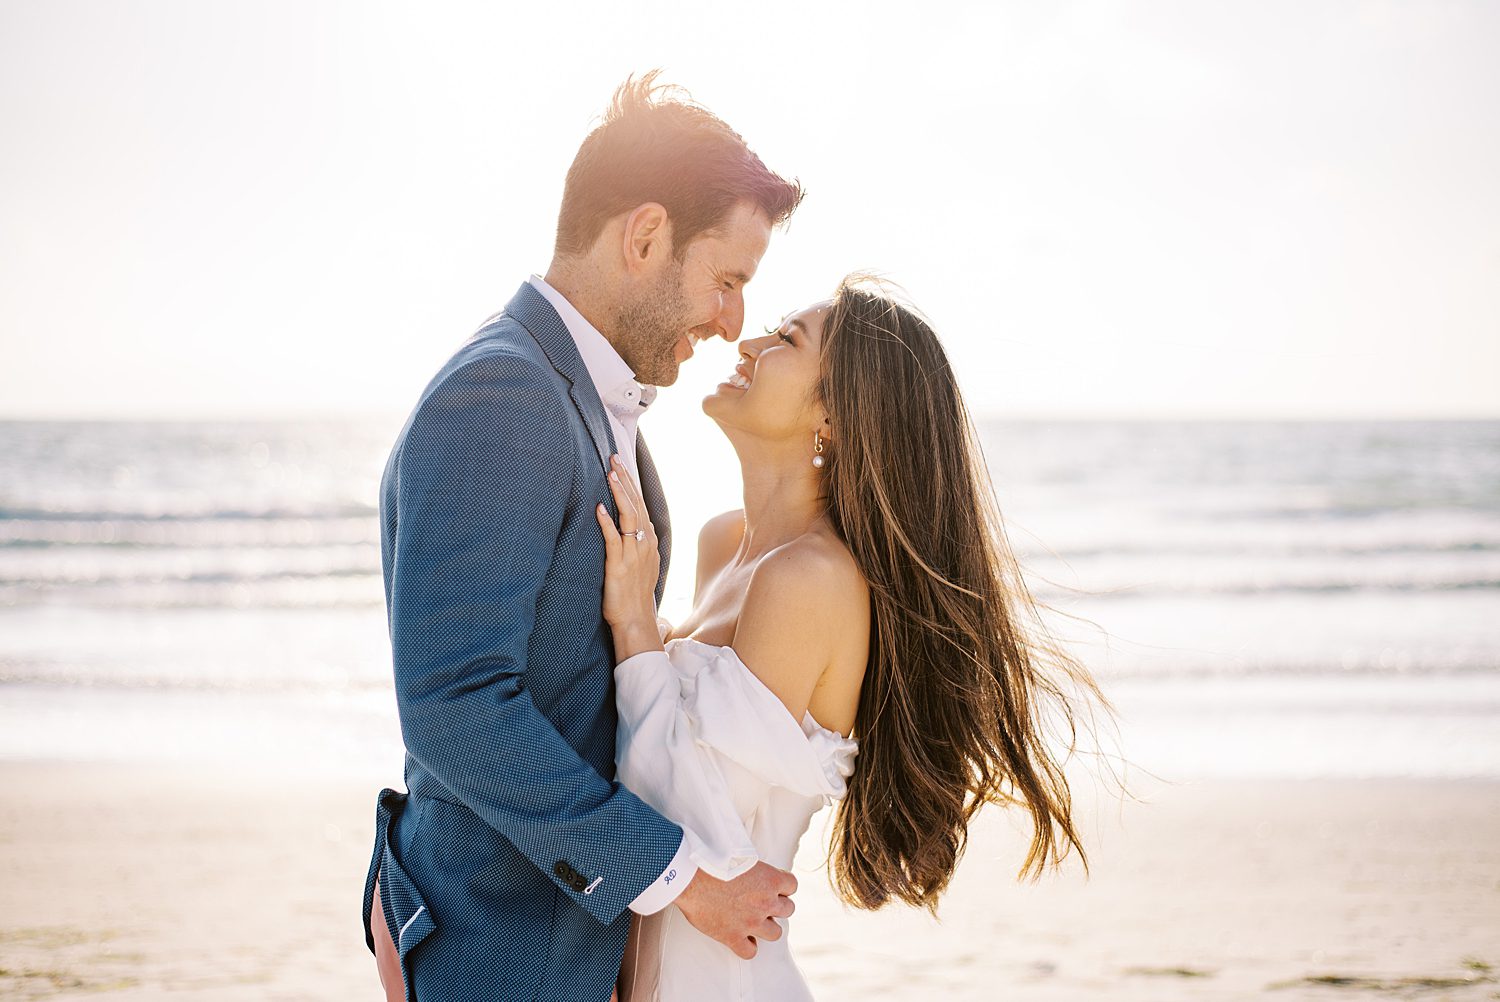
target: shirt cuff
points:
(673, 880)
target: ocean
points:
(1262, 599)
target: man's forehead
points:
(738, 263)
(738, 243)
(748, 229)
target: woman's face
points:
(772, 391)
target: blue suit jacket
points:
(507, 870)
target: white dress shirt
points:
(625, 401)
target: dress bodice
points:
(704, 741)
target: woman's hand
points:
(631, 567)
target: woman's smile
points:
(739, 379)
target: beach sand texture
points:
(136, 882)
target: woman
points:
(865, 600)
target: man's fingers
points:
(743, 912)
(775, 879)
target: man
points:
(510, 869)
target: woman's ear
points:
(825, 427)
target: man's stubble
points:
(647, 329)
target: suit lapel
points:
(656, 508)
(533, 311)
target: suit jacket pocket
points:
(399, 895)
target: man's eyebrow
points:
(739, 276)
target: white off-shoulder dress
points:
(704, 741)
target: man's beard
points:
(647, 329)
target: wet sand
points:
(140, 882)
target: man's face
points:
(700, 297)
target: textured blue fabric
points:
(508, 869)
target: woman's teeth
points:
(739, 381)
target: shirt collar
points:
(613, 379)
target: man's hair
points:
(657, 145)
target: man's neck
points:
(583, 293)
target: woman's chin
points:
(722, 393)
(719, 401)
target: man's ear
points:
(647, 238)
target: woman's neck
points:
(783, 495)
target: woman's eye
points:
(779, 333)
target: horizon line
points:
(292, 417)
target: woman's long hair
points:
(963, 679)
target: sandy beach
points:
(1303, 639)
(141, 882)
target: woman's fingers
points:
(623, 485)
(629, 517)
(611, 534)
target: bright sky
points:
(1134, 209)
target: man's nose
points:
(731, 318)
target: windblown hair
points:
(656, 145)
(964, 685)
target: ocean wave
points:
(314, 676)
(1195, 548)
(1052, 589)
(185, 510)
(136, 678)
(362, 586)
(186, 533)
(344, 589)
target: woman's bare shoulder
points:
(723, 530)
(805, 621)
(833, 580)
(817, 563)
(717, 542)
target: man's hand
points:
(741, 911)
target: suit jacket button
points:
(562, 870)
(577, 883)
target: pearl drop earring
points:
(818, 450)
